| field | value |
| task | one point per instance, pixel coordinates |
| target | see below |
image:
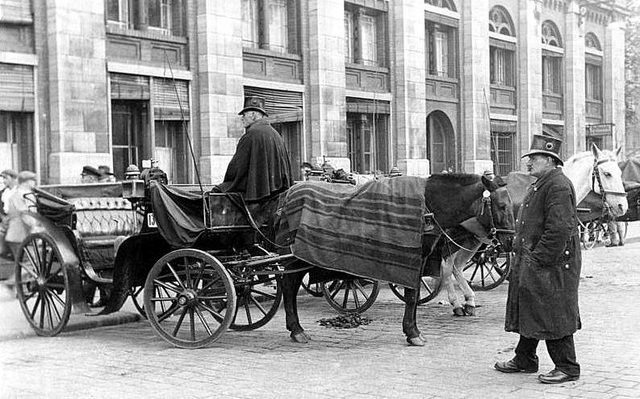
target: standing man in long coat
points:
(260, 167)
(542, 303)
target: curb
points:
(77, 322)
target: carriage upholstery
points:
(105, 217)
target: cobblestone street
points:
(371, 361)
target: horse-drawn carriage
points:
(209, 265)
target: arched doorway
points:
(440, 142)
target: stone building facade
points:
(425, 85)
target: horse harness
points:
(485, 220)
(595, 176)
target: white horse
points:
(595, 170)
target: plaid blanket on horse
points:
(374, 230)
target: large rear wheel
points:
(487, 268)
(189, 298)
(42, 285)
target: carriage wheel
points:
(314, 289)
(191, 297)
(353, 295)
(487, 269)
(42, 285)
(429, 289)
(137, 297)
(258, 302)
(592, 234)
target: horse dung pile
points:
(349, 320)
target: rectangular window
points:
(278, 29)
(118, 11)
(440, 49)
(250, 23)
(16, 141)
(365, 36)
(349, 37)
(160, 15)
(593, 82)
(441, 56)
(368, 35)
(502, 152)
(502, 67)
(552, 74)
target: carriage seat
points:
(99, 220)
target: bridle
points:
(595, 176)
(486, 220)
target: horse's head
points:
(496, 214)
(607, 180)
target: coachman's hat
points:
(253, 103)
(545, 145)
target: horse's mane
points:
(580, 156)
(463, 179)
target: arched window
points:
(448, 4)
(500, 22)
(551, 35)
(591, 41)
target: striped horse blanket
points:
(373, 230)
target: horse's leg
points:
(290, 285)
(463, 258)
(448, 265)
(409, 326)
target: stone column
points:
(614, 81)
(325, 109)
(77, 108)
(574, 93)
(409, 72)
(219, 84)
(529, 74)
(474, 94)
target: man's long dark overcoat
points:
(260, 166)
(543, 285)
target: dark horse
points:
(451, 199)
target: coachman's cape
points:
(260, 168)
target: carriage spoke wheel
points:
(429, 289)
(189, 298)
(258, 302)
(42, 285)
(353, 295)
(487, 269)
(314, 289)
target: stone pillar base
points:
(414, 167)
(66, 167)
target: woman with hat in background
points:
(542, 302)
(260, 167)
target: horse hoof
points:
(416, 341)
(470, 310)
(458, 312)
(301, 337)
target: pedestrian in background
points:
(542, 302)
(10, 181)
(105, 174)
(616, 233)
(17, 228)
(90, 175)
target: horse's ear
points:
(618, 151)
(596, 151)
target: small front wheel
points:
(189, 298)
(351, 295)
(429, 289)
(42, 285)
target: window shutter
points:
(129, 87)
(381, 39)
(16, 88)
(177, 18)
(170, 101)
